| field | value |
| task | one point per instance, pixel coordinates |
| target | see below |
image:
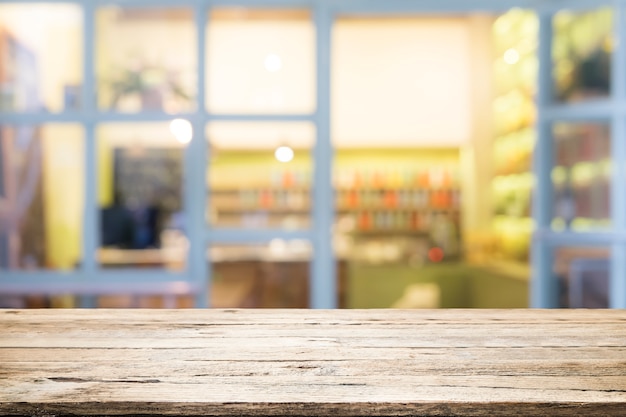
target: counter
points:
(313, 362)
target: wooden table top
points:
(313, 362)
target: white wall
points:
(401, 82)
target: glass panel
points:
(260, 61)
(273, 275)
(41, 213)
(146, 59)
(140, 194)
(401, 110)
(581, 176)
(260, 174)
(583, 276)
(398, 225)
(582, 49)
(399, 82)
(419, 195)
(40, 57)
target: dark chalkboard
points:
(148, 177)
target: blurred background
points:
(163, 155)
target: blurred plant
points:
(582, 47)
(151, 83)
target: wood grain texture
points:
(312, 362)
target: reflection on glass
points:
(40, 57)
(273, 275)
(146, 59)
(41, 207)
(260, 61)
(581, 51)
(140, 178)
(581, 176)
(260, 174)
(582, 274)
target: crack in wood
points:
(82, 380)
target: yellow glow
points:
(284, 154)
(511, 56)
(182, 130)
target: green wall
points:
(461, 286)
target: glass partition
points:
(582, 176)
(146, 59)
(140, 194)
(260, 174)
(582, 52)
(43, 197)
(582, 275)
(260, 61)
(268, 275)
(41, 57)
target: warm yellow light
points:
(284, 154)
(182, 130)
(511, 56)
(273, 63)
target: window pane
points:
(260, 174)
(401, 103)
(140, 178)
(40, 57)
(582, 274)
(581, 176)
(399, 82)
(146, 59)
(272, 275)
(581, 53)
(42, 209)
(260, 61)
(398, 225)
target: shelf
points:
(360, 189)
(339, 210)
(399, 209)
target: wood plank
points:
(312, 362)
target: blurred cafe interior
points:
(320, 154)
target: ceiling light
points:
(284, 154)
(273, 63)
(182, 130)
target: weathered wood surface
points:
(312, 363)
